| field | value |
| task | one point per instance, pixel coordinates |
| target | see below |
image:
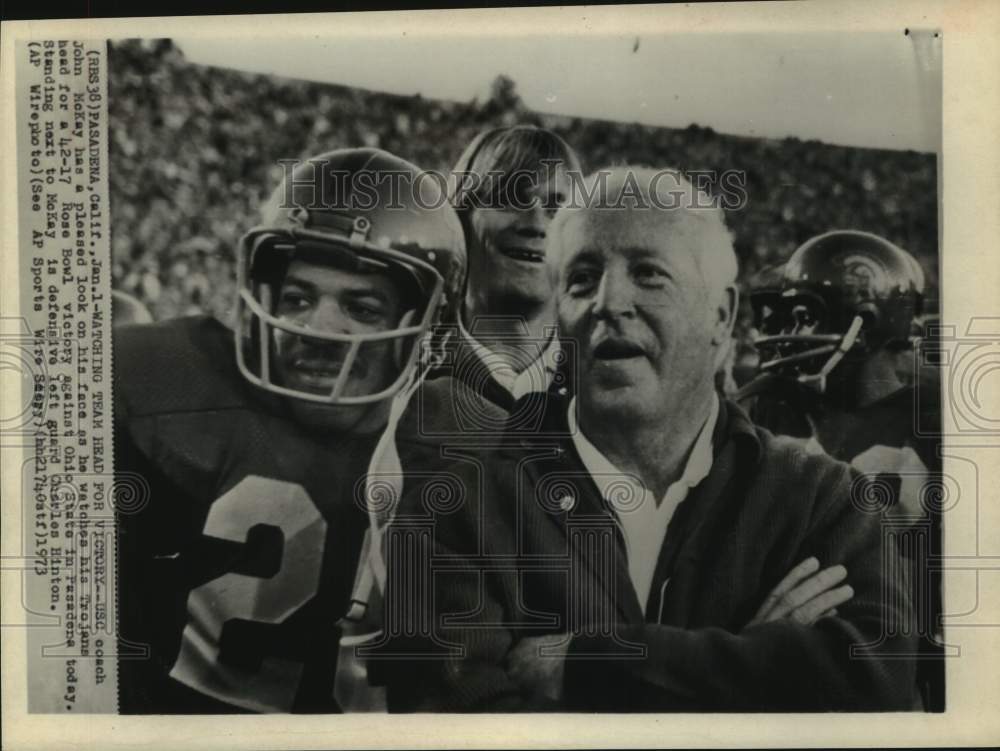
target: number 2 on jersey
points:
(251, 502)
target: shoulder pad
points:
(181, 365)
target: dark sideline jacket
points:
(529, 547)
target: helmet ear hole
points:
(764, 306)
(870, 320)
(869, 315)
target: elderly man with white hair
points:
(634, 555)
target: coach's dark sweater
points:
(534, 549)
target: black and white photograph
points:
(557, 371)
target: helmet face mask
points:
(417, 255)
(263, 328)
(843, 296)
(798, 341)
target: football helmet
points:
(365, 211)
(843, 294)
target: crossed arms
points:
(808, 643)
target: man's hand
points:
(537, 673)
(805, 595)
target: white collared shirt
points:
(643, 521)
(536, 377)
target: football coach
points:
(634, 555)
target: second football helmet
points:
(843, 294)
(366, 211)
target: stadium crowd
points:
(193, 149)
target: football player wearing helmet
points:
(832, 333)
(254, 444)
(506, 187)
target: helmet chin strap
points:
(817, 381)
(385, 475)
(405, 320)
(362, 623)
